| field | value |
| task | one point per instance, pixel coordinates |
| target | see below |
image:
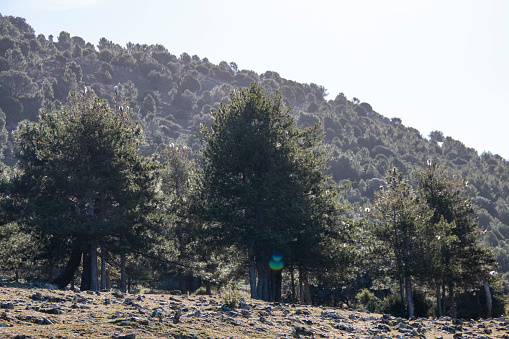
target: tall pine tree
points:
(83, 185)
(264, 189)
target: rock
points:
(118, 294)
(265, 321)
(7, 306)
(4, 325)
(176, 292)
(343, 328)
(126, 336)
(36, 296)
(301, 330)
(449, 329)
(403, 328)
(157, 313)
(302, 312)
(54, 310)
(117, 315)
(46, 321)
(332, 315)
(176, 317)
(383, 327)
(371, 318)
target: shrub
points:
(230, 295)
(368, 300)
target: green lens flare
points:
(276, 263)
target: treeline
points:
(256, 203)
(170, 96)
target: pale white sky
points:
(436, 64)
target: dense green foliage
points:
(265, 192)
(170, 96)
(82, 183)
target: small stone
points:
(118, 294)
(449, 329)
(265, 321)
(301, 330)
(7, 306)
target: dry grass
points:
(46, 313)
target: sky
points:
(436, 64)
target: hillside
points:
(46, 313)
(172, 95)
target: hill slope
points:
(171, 95)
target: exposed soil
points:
(48, 313)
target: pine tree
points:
(82, 184)
(463, 261)
(177, 176)
(400, 223)
(263, 188)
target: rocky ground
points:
(48, 313)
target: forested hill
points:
(171, 95)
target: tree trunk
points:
(85, 275)
(262, 291)
(108, 282)
(208, 290)
(91, 258)
(94, 279)
(409, 296)
(292, 279)
(444, 308)
(252, 271)
(439, 302)
(278, 281)
(402, 290)
(452, 303)
(307, 293)
(182, 280)
(301, 287)
(123, 275)
(66, 275)
(275, 279)
(489, 300)
(103, 268)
